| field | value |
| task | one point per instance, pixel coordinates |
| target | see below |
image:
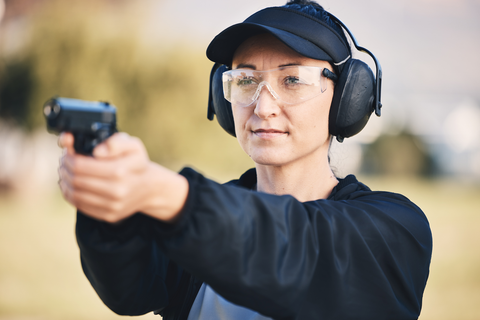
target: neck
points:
(306, 182)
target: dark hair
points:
(315, 10)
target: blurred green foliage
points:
(15, 89)
(95, 51)
(403, 154)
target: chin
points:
(269, 159)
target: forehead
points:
(266, 48)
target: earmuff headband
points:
(378, 67)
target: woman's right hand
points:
(119, 180)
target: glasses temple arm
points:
(330, 75)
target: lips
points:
(269, 133)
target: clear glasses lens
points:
(291, 85)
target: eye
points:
(292, 81)
(245, 81)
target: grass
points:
(40, 273)
(453, 209)
(41, 278)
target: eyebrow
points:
(290, 64)
(246, 66)
(251, 66)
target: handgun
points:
(90, 122)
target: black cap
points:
(301, 32)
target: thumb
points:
(118, 144)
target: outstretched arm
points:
(119, 256)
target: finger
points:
(102, 215)
(117, 145)
(66, 191)
(74, 192)
(96, 207)
(80, 198)
(109, 190)
(65, 140)
(114, 180)
(115, 168)
(79, 165)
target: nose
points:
(266, 101)
(260, 87)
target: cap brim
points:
(223, 46)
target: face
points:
(269, 131)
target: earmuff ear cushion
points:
(353, 99)
(217, 103)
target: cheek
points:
(323, 110)
(315, 118)
(240, 117)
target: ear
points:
(353, 100)
(216, 101)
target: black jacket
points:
(357, 255)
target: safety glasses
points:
(291, 84)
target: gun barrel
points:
(90, 122)
(65, 114)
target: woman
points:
(288, 240)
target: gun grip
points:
(83, 143)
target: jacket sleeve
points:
(364, 256)
(125, 266)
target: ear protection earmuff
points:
(356, 95)
(353, 100)
(216, 100)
